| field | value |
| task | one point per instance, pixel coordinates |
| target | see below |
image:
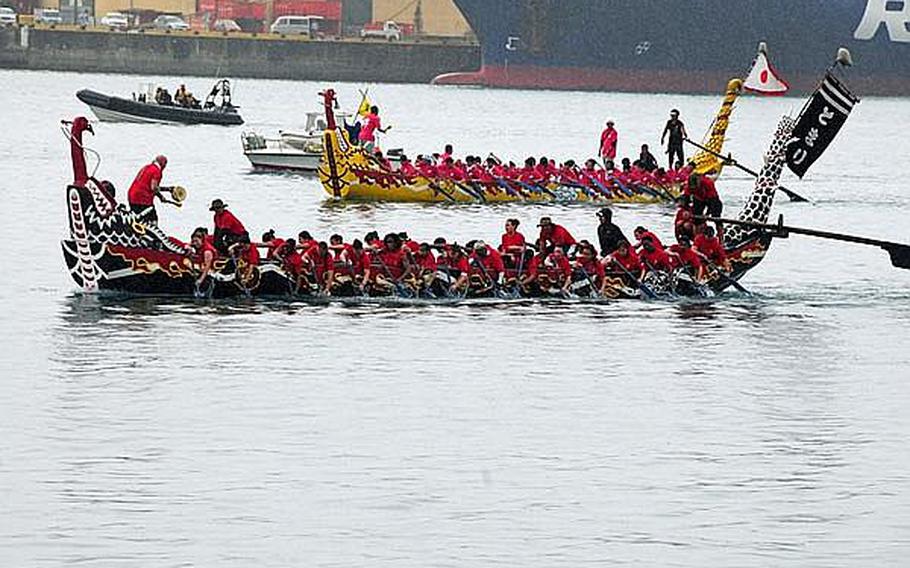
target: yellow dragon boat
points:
(348, 173)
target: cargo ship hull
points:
(683, 46)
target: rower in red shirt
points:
(228, 229)
(319, 263)
(204, 256)
(626, 258)
(486, 263)
(590, 268)
(344, 262)
(146, 187)
(424, 260)
(291, 261)
(391, 265)
(555, 235)
(682, 256)
(641, 234)
(409, 245)
(709, 246)
(452, 267)
(512, 244)
(271, 243)
(653, 258)
(548, 269)
(684, 222)
(248, 252)
(426, 168)
(407, 170)
(558, 270)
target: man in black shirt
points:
(610, 235)
(646, 159)
(677, 131)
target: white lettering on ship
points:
(896, 21)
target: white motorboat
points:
(294, 151)
(290, 151)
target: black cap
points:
(217, 204)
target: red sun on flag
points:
(763, 79)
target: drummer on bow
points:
(146, 187)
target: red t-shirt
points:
(252, 256)
(491, 263)
(658, 259)
(368, 130)
(705, 190)
(273, 246)
(683, 216)
(226, 221)
(630, 262)
(454, 267)
(593, 267)
(558, 236)
(293, 263)
(199, 258)
(556, 270)
(684, 257)
(140, 192)
(509, 241)
(426, 262)
(657, 244)
(711, 248)
(390, 263)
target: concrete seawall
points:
(208, 55)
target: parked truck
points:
(389, 31)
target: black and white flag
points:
(819, 123)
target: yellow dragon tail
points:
(705, 162)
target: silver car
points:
(170, 23)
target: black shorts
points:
(146, 213)
(715, 207)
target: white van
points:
(293, 25)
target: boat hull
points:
(116, 109)
(683, 46)
(348, 174)
(284, 161)
(110, 248)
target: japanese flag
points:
(763, 79)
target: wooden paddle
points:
(900, 253)
(728, 159)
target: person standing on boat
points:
(608, 141)
(371, 125)
(228, 229)
(608, 233)
(145, 188)
(677, 133)
(554, 235)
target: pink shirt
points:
(368, 132)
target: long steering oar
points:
(899, 252)
(728, 159)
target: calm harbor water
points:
(742, 431)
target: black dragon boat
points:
(217, 108)
(110, 248)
